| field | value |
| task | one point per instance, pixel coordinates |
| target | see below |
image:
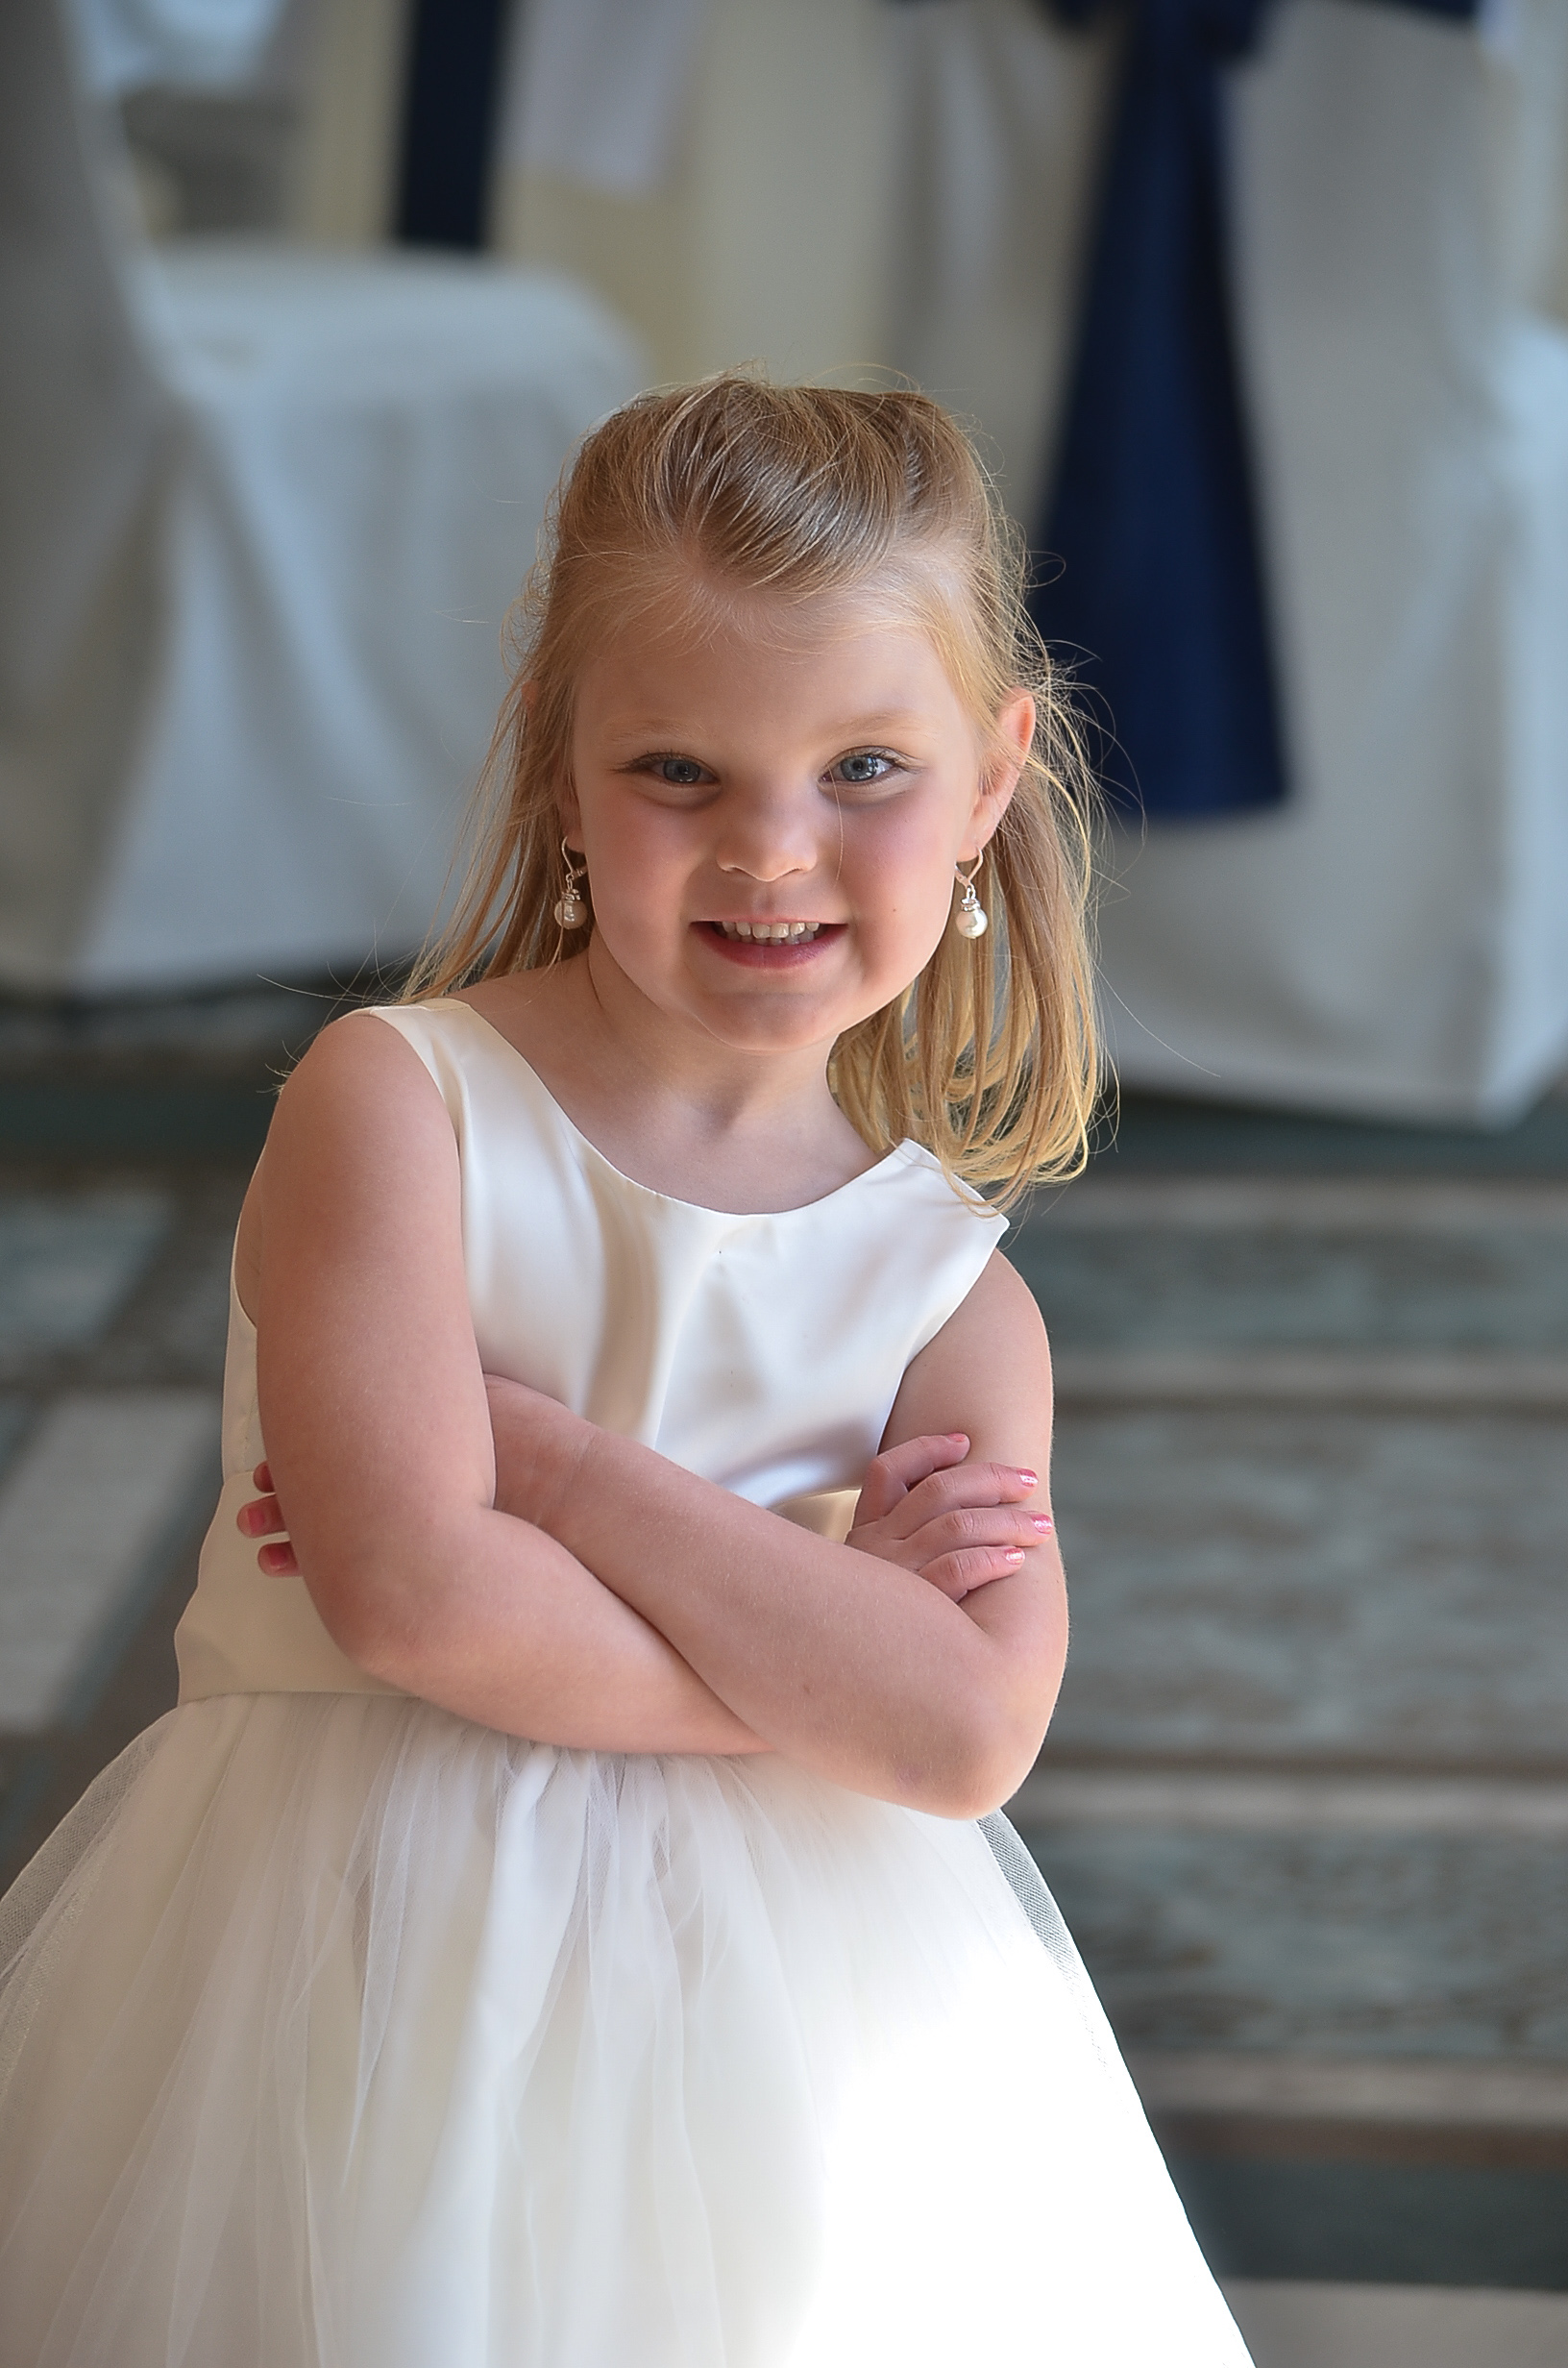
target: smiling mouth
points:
(767, 932)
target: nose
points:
(767, 838)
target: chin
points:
(746, 1034)
(761, 1023)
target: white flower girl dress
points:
(338, 2032)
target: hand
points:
(956, 1523)
(262, 1516)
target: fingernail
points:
(1030, 1479)
(1015, 1555)
(1042, 1521)
(959, 1438)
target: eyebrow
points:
(883, 718)
(849, 728)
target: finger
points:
(967, 1485)
(277, 1560)
(960, 1574)
(891, 1476)
(260, 1517)
(263, 1476)
(982, 1525)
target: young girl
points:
(552, 1930)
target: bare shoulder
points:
(360, 1118)
(997, 1324)
(357, 1053)
(999, 1297)
(988, 1372)
(361, 1088)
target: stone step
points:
(1258, 1583)
(1425, 1947)
(1301, 2324)
(1190, 1266)
(1306, 1800)
(1411, 1207)
(1413, 2109)
(94, 1505)
(1430, 2223)
(1443, 1381)
(67, 1263)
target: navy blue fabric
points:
(451, 84)
(1151, 580)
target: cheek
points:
(639, 874)
(903, 881)
(630, 852)
(900, 943)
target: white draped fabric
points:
(199, 44)
(599, 89)
(262, 511)
(1396, 939)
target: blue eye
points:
(865, 766)
(680, 771)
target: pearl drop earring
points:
(570, 911)
(970, 920)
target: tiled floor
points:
(1306, 1799)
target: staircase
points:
(1305, 1800)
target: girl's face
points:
(771, 819)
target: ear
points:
(1012, 736)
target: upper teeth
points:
(771, 930)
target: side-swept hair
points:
(735, 486)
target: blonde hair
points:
(801, 493)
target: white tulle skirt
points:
(338, 2033)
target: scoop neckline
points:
(899, 1155)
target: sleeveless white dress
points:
(339, 2033)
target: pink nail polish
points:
(1042, 1521)
(1030, 1479)
(1015, 1555)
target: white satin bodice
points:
(763, 1352)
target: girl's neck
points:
(696, 1120)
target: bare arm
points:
(378, 1429)
(848, 1662)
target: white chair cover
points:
(599, 89)
(189, 43)
(1396, 939)
(261, 514)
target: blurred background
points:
(1260, 315)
